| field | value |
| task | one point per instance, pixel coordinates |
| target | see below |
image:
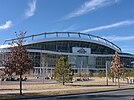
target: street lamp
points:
(106, 73)
(107, 65)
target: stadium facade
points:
(85, 52)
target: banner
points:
(81, 50)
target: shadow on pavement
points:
(11, 89)
(97, 97)
(88, 85)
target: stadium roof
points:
(51, 36)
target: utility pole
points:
(43, 67)
(43, 74)
(81, 70)
(107, 63)
(51, 72)
(46, 70)
(87, 71)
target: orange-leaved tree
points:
(18, 61)
(117, 67)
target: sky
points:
(110, 19)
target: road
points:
(111, 95)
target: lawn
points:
(76, 87)
(95, 81)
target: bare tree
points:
(18, 62)
(117, 67)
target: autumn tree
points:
(18, 61)
(62, 71)
(117, 67)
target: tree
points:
(111, 76)
(117, 67)
(102, 74)
(123, 72)
(90, 74)
(62, 71)
(18, 61)
(129, 73)
(1, 75)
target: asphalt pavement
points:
(111, 95)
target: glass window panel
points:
(84, 36)
(51, 35)
(62, 34)
(74, 35)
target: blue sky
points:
(111, 19)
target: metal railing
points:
(63, 34)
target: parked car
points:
(8, 79)
(13, 79)
(47, 78)
(23, 79)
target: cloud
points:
(7, 25)
(30, 11)
(119, 38)
(127, 49)
(118, 24)
(90, 5)
(69, 28)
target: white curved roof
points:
(57, 36)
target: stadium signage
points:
(81, 50)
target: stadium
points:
(85, 52)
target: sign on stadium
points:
(81, 50)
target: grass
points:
(95, 82)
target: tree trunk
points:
(123, 77)
(1, 82)
(20, 84)
(118, 82)
(63, 80)
(63, 83)
(113, 79)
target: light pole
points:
(107, 65)
(43, 75)
(46, 70)
(43, 67)
(81, 69)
